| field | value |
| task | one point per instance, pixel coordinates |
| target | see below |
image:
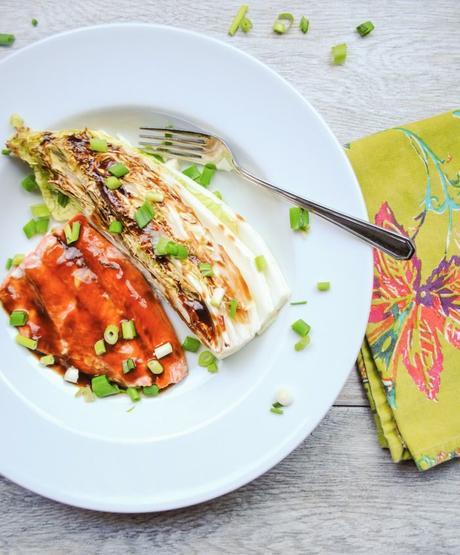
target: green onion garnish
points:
(41, 225)
(155, 367)
(261, 263)
(63, 200)
(9, 263)
(212, 368)
(151, 390)
(29, 183)
(280, 26)
(161, 246)
(17, 259)
(218, 194)
(164, 246)
(111, 334)
(47, 360)
(299, 218)
(99, 347)
(365, 28)
(246, 25)
(115, 227)
(294, 303)
(191, 344)
(72, 232)
(29, 229)
(112, 182)
(206, 175)
(27, 342)
(98, 145)
(128, 365)
(302, 343)
(301, 327)
(233, 308)
(128, 329)
(235, 25)
(193, 172)
(40, 211)
(6, 39)
(206, 269)
(323, 285)
(34, 22)
(206, 358)
(339, 54)
(155, 196)
(275, 409)
(6, 151)
(144, 215)
(304, 24)
(18, 318)
(180, 251)
(102, 387)
(133, 394)
(118, 170)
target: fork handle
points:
(392, 243)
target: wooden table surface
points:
(338, 492)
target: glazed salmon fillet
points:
(73, 292)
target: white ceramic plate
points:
(211, 433)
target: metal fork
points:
(206, 149)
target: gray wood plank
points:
(338, 492)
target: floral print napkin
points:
(410, 358)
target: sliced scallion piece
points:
(193, 172)
(133, 394)
(128, 329)
(63, 200)
(111, 334)
(72, 232)
(283, 23)
(302, 343)
(233, 308)
(9, 263)
(155, 196)
(276, 410)
(365, 28)
(102, 387)
(47, 360)
(191, 344)
(40, 211)
(151, 390)
(246, 25)
(6, 39)
(206, 269)
(301, 327)
(29, 183)
(99, 347)
(18, 318)
(41, 225)
(323, 285)
(206, 175)
(212, 368)
(128, 365)
(261, 263)
(163, 350)
(299, 218)
(118, 169)
(17, 259)
(155, 367)
(98, 145)
(218, 194)
(112, 182)
(240, 15)
(304, 24)
(6, 151)
(294, 303)
(34, 22)
(339, 54)
(206, 358)
(27, 342)
(115, 227)
(29, 229)
(161, 246)
(144, 215)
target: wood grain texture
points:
(338, 492)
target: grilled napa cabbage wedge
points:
(189, 215)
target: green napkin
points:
(410, 358)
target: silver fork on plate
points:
(207, 149)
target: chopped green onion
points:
(6, 151)
(151, 390)
(41, 225)
(164, 246)
(72, 232)
(161, 246)
(280, 26)
(102, 387)
(261, 263)
(111, 334)
(206, 358)
(191, 344)
(218, 194)
(155, 196)
(235, 25)
(18, 318)
(323, 285)
(118, 170)
(27, 342)
(299, 218)
(17, 259)
(294, 303)
(71, 375)
(128, 329)
(40, 211)
(302, 343)
(206, 269)
(144, 215)
(98, 145)
(47, 360)
(233, 308)
(276, 410)
(115, 227)
(365, 28)
(9, 263)
(6, 39)
(128, 365)
(304, 24)
(339, 54)
(206, 175)
(180, 251)
(99, 347)
(246, 25)
(193, 172)
(63, 200)
(153, 154)
(34, 22)
(86, 393)
(112, 182)
(163, 350)
(301, 327)
(212, 368)
(133, 394)
(29, 183)
(29, 229)
(155, 367)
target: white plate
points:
(212, 433)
